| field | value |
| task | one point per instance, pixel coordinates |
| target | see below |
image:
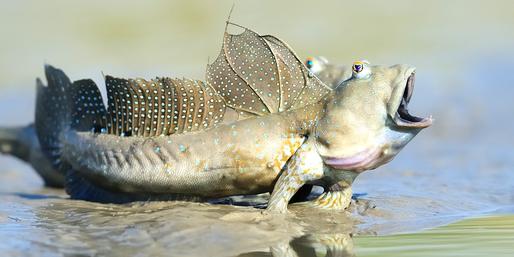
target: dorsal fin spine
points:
(280, 92)
(270, 110)
(119, 118)
(191, 107)
(136, 116)
(124, 113)
(182, 109)
(176, 106)
(199, 114)
(110, 102)
(145, 108)
(160, 111)
(150, 108)
(130, 107)
(167, 106)
(187, 114)
(155, 108)
(299, 96)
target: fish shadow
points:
(30, 196)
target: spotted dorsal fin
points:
(261, 74)
(161, 106)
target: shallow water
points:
(490, 236)
(460, 168)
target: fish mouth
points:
(403, 118)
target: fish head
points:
(331, 74)
(366, 121)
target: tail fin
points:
(63, 106)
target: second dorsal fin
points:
(162, 106)
(261, 74)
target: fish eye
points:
(360, 69)
(357, 67)
(309, 63)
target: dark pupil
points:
(309, 64)
(358, 67)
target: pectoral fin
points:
(304, 166)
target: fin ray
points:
(161, 106)
(262, 74)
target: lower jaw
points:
(360, 162)
(424, 123)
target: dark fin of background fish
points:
(62, 106)
(163, 106)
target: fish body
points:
(261, 122)
(22, 142)
(244, 157)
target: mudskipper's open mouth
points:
(403, 118)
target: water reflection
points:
(315, 245)
(324, 245)
(58, 225)
(184, 229)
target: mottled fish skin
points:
(265, 125)
(244, 157)
(22, 143)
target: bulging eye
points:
(357, 67)
(360, 69)
(309, 63)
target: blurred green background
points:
(149, 38)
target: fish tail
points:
(9, 140)
(63, 106)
